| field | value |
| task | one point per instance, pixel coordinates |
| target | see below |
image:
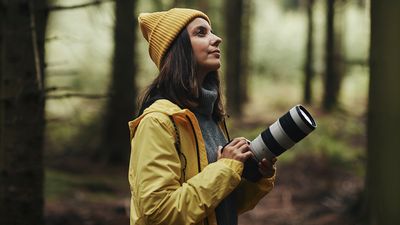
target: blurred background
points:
(91, 63)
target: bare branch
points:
(38, 69)
(92, 3)
(77, 95)
(61, 73)
(54, 38)
(58, 88)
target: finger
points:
(247, 155)
(262, 166)
(233, 142)
(262, 171)
(269, 163)
(219, 152)
(239, 139)
(264, 162)
(247, 140)
(244, 139)
(266, 173)
(244, 148)
(240, 143)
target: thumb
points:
(219, 152)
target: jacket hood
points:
(165, 106)
(160, 106)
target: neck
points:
(209, 94)
(201, 74)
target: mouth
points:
(215, 51)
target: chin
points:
(215, 66)
(211, 68)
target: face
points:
(205, 45)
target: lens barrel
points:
(289, 129)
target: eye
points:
(201, 32)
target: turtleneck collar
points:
(209, 94)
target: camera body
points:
(283, 134)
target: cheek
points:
(200, 49)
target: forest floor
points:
(308, 191)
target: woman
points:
(178, 172)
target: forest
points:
(71, 73)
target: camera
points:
(285, 132)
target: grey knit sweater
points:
(213, 137)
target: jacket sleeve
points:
(250, 193)
(154, 176)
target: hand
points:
(267, 168)
(238, 149)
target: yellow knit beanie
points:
(161, 28)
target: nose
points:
(216, 40)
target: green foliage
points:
(64, 185)
(339, 136)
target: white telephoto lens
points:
(260, 150)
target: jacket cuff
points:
(267, 180)
(234, 165)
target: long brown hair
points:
(178, 81)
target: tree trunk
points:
(308, 67)
(203, 6)
(22, 103)
(246, 48)
(334, 64)
(178, 3)
(383, 180)
(233, 49)
(158, 5)
(194, 4)
(122, 103)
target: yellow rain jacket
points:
(171, 188)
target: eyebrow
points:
(202, 27)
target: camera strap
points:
(178, 150)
